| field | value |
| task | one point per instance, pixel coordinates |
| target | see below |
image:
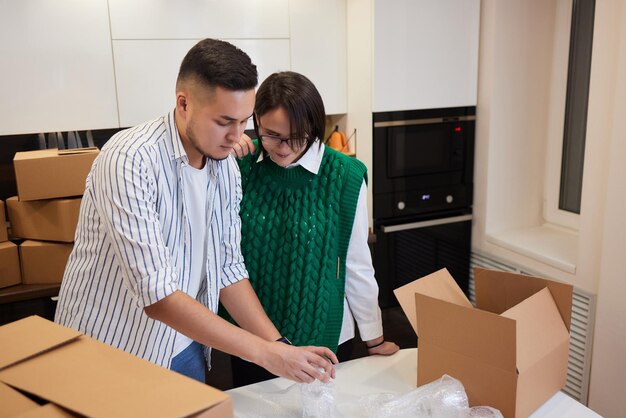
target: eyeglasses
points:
(275, 141)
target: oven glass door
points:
(424, 149)
(405, 252)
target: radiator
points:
(581, 329)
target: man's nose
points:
(235, 132)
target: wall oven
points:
(423, 191)
(407, 250)
(423, 161)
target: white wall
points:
(520, 114)
(608, 367)
(360, 39)
(522, 80)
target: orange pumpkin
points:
(344, 141)
(335, 141)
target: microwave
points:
(423, 161)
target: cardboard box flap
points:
(53, 152)
(481, 337)
(47, 411)
(13, 403)
(498, 291)
(33, 155)
(145, 389)
(71, 151)
(540, 329)
(439, 284)
(31, 336)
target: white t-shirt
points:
(195, 184)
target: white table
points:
(354, 379)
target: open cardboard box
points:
(83, 376)
(510, 352)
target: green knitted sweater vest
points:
(296, 227)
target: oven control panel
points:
(416, 202)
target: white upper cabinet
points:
(318, 48)
(56, 67)
(150, 39)
(197, 19)
(146, 72)
(425, 54)
(78, 65)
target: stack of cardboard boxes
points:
(9, 261)
(49, 370)
(45, 212)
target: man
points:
(157, 242)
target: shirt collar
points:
(178, 151)
(310, 161)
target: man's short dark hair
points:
(218, 63)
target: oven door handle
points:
(425, 224)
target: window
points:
(572, 162)
(566, 159)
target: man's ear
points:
(181, 102)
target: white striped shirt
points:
(133, 242)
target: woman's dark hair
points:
(217, 63)
(303, 103)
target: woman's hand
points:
(244, 147)
(379, 346)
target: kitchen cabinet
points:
(166, 19)
(146, 72)
(57, 66)
(318, 48)
(278, 36)
(79, 65)
(425, 54)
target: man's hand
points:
(244, 147)
(379, 346)
(301, 364)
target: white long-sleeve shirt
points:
(361, 301)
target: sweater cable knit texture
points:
(296, 227)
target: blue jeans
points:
(190, 362)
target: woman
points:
(305, 226)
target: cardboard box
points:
(45, 220)
(9, 265)
(50, 173)
(43, 262)
(47, 411)
(510, 352)
(87, 377)
(13, 402)
(3, 223)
